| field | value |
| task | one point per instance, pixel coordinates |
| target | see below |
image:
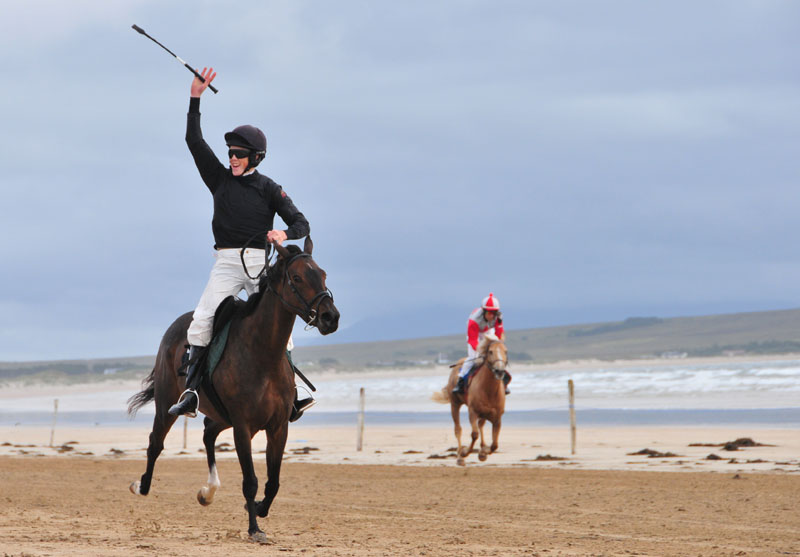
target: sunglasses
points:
(238, 153)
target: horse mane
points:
(483, 347)
(272, 276)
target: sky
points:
(584, 161)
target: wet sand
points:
(597, 447)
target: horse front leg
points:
(496, 433)
(455, 410)
(484, 452)
(161, 426)
(210, 433)
(243, 437)
(276, 443)
(473, 420)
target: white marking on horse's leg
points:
(135, 487)
(207, 492)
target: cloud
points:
(579, 158)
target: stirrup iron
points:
(177, 408)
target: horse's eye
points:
(296, 278)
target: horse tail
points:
(144, 396)
(441, 396)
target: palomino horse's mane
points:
(272, 275)
(483, 347)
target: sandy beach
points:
(82, 506)
(627, 489)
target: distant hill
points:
(755, 333)
(77, 371)
(767, 332)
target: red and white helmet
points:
(490, 303)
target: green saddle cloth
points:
(215, 349)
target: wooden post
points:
(360, 440)
(55, 416)
(185, 429)
(571, 386)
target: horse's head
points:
(496, 356)
(300, 284)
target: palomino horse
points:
(485, 398)
(253, 378)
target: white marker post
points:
(55, 417)
(572, 427)
(360, 439)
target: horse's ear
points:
(282, 251)
(308, 245)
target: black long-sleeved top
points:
(244, 206)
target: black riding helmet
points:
(251, 138)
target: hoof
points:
(260, 537)
(460, 461)
(482, 456)
(135, 487)
(202, 500)
(261, 509)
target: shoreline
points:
(413, 431)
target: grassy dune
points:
(756, 333)
(769, 332)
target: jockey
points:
(483, 320)
(245, 204)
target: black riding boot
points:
(506, 381)
(462, 382)
(301, 406)
(188, 401)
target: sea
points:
(759, 393)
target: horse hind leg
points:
(455, 411)
(212, 430)
(162, 423)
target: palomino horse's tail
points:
(144, 396)
(441, 396)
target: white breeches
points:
(227, 279)
(469, 362)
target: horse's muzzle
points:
(499, 370)
(327, 318)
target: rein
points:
(267, 247)
(310, 308)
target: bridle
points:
(311, 308)
(498, 366)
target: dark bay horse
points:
(485, 398)
(253, 378)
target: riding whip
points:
(178, 58)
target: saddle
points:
(210, 357)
